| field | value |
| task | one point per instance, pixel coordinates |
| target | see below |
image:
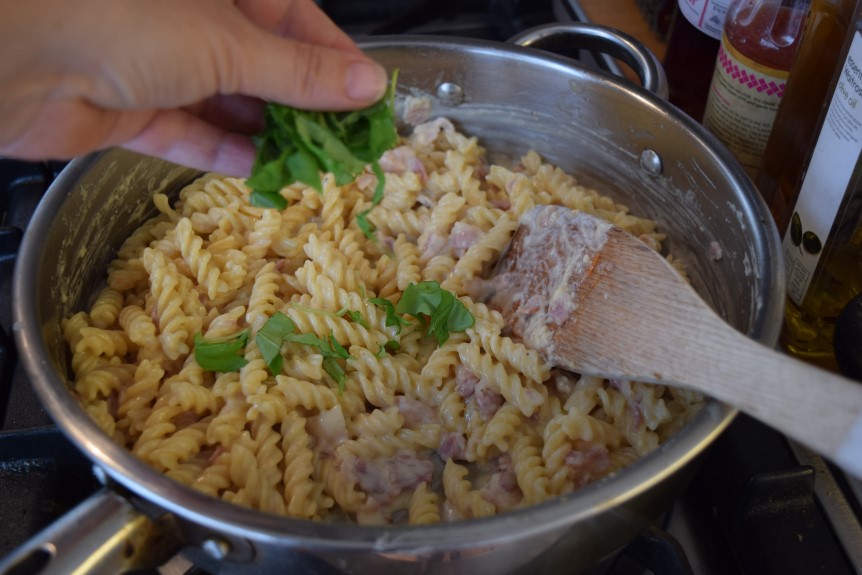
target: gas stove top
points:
(757, 504)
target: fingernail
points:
(366, 81)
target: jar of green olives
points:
(811, 178)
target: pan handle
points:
(566, 39)
(103, 534)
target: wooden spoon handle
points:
(811, 405)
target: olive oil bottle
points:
(811, 177)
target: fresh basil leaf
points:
(304, 168)
(335, 371)
(439, 312)
(438, 325)
(279, 329)
(365, 226)
(268, 176)
(298, 145)
(307, 339)
(392, 346)
(382, 125)
(354, 316)
(221, 354)
(270, 338)
(420, 298)
(392, 317)
(332, 154)
(272, 200)
(331, 351)
(381, 183)
(460, 317)
(336, 349)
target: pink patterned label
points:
(748, 77)
(743, 99)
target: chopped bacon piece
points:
(616, 384)
(587, 462)
(388, 242)
(465, 381)
(215, 454)
(366, 181)
(401, 160)
(415, 412)
(282, 265)
(501, 203)
(502, 487)
(114, 403)
(425, 134)
(185, 419)
(488, 399)
(385, 478)
(464, 235)
(434, 244)
(452, 446)
(417, 109)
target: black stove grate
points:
(42, 475)
(23, 185)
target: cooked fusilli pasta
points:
(416, 432)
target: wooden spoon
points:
(596, 300)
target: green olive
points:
(811, 243)
(796, 229)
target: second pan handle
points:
(565, 38)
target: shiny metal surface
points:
(513, 99)
(603, 40)
(104, 535)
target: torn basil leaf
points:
(221, 354)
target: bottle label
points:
(742, 103)
(832, 163)
(705, 15)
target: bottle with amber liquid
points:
(692, 44)
(811, 177)
(803, 105)
(758, 46)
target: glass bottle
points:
(758, 46)
(692, 46)
(818, 201)
(804, 102)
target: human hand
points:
(184, 80)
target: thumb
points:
(303, 75)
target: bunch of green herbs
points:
(299, 145)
